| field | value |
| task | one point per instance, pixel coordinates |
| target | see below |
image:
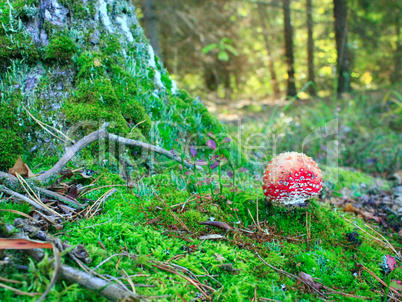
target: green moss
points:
(51, 29)
(10, 148)
(134, 113)
(92, 64)
(90, 116)
(17, 46)
(11, 144)
(179, 103)
(98, 91)
(110, 45)
(79, 9)
(356, 182)
(60, 49)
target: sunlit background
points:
(223, 49)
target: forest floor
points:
(163, 234)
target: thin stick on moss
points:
(33, 195)
(73, 203)
(379, 279)
(386, 245)
(173, 214)
(149, 147)
(197, 284)
(72, 151)
(19, 213)
(24, 198)
(291, 276)
(18, 292)
(43, 125)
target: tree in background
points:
(290, 61)
(342, 49)
(262, 11)
(396, 76)
(151, 23)
(369, 29)
(310, 46)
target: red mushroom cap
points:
(291, 178)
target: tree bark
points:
(341, 38)
(290, 61)
(151, 24)
(261, 10)
(396, 76)
(310, 47)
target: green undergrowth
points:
(136, 221)
(358, 131)
(358, 183)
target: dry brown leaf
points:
(350, 208)
(21, 168)
(217, 224)
(309, 280)
(97, 63)
(368, 215)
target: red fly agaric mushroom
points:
(291, 178)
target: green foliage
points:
(61, 49)
(224, 47)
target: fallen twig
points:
(34, 196)
(72, 151)
(19, 213)
(73, 203)
(43, 126)
(19, 292)
(41, 235)
(93, 209)
(89, 139)
(385, 244)
(379, 280)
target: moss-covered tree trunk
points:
(77, 64)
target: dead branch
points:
(106, 289)
(86, 141)
(72, 151)
(149, 147)
(24, 198)
(73, 203)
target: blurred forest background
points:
(343, 59)
(227, 49)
